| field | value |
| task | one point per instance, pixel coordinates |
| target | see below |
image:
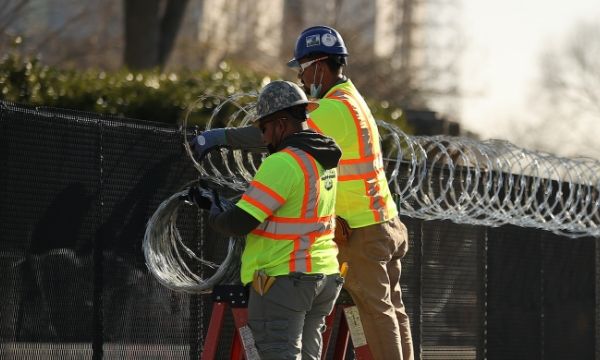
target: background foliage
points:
(147, 95)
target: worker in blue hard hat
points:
(318, 44)
(372, 240)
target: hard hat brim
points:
(311, 106)
(293, 63)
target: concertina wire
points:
(488, 183)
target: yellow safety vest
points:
(363, 196)
(293, 197)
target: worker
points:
(289, 258)
(376, 238)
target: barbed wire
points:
(173, 263)
(490, 183)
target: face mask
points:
(315, 90)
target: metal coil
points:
(489, 183)
(168, 257)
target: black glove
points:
(215, 209)
(216, 201)
(194, 195)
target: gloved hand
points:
(195, 196)
(207, 140)
(216, 207)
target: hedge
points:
(148, 95)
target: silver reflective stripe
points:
(301, 232)
(294, 229)
(301, 253)
(357, 169)
(354, 107)
(314, 182)
(374, 192)
(357, 107)
(263, 197)
(365, 133)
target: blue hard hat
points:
(318, 39)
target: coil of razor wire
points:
(163, 245)
(233, 169)
(467, 181)
(173, 263)
(492, 183)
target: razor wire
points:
(173, 263)
(229, 168)
(489, 183)
(163, 245)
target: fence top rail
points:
(488, 183)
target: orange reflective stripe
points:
(373, 133)
(257, 204)
(376, 202)
(281, 219)
(359, 129)
(309, 168)
(286, 228)
(364, 176)
(268, 190)
(355, 169)
(369, 164)
(359, 160)
(306, 228)
(263, 198)
(304, 170)
(276, 236)
(294, 229)
(363, 138)
(359, 169)
(300, 259)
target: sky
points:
(503, 42)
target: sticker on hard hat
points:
(313, 40)
(328, 39)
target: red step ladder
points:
(235, 297)
(349, 328)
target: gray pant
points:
(288, 321)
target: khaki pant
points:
(373, 255)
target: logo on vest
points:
(328, 177)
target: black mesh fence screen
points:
(76, 192)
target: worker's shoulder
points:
(281, 159)
(279, 166)
(329, 106)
